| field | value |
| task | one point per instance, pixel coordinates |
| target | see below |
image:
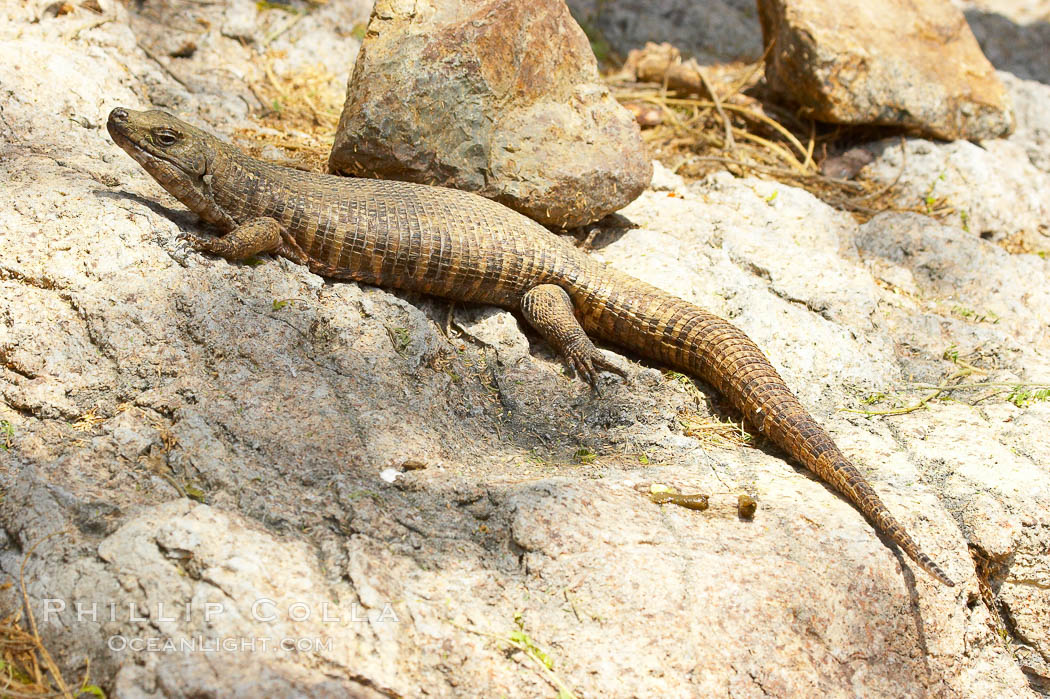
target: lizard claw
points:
(196, 242)
(584, 368)
(180, 249)
(588, 365)
(602, 363)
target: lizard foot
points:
(193, 241)
(181, 248)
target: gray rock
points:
(993, 189)
(324, 36)
(710, 31)
(198, 579)
(949, 263)
(1033, 121)
(897, 63)
(664, 179)
(496, 328)
(498, 98)
(133, 439)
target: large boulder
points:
(893, 63)
(494, 97)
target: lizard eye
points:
(165, 137)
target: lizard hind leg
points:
(549, 310)
(252, 237)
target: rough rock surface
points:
(499, 98)
(133, 373)
(913, 65)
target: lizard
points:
(464, 247)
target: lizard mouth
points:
(119, 130)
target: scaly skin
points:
(460, 246)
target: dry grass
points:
(1022, 243)
(25, 665)
(88, 421)
(300, 116)
(714, 432)
(27, 669)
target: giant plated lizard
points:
(461, 246)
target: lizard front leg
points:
(548, 309)
(252, 237)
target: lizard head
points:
(177, 155)
(160, 143)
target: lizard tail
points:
(860, 491)
(690, 339)
(744, 375)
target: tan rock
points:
(894, 63)
(498, 98)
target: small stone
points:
(846, 165)
(645, 114)
(186, 50)
(746, 506)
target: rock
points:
(239, 22)
(948, 263)
(496, 328)
(212, 578)
(991, 530)
(133, 439)
(664, 179)
(326, 35)
(1033, 120)
(846, 165)
(663, 64)
(1025, 599)
(645, 114)
(992, 190)
(913, 65)
(710, 31)
(498, 98)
